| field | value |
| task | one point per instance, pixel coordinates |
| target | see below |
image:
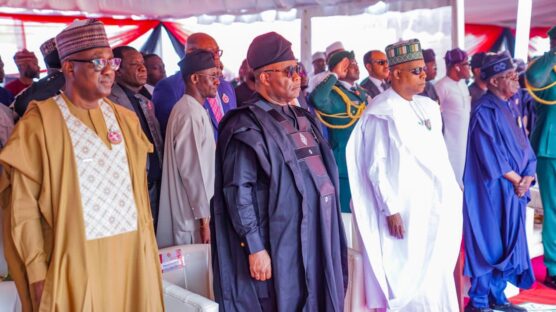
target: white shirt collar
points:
(377, 82)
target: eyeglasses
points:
(212, 77)
(100, 63)
(218, 52)
(510, 76)
(415, 71)
(380, 62)
(288, 71)
(214, 52)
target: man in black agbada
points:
(278, 242)
(46, 87)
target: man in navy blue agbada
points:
(278, 242)
(499, 171)
(169, 90)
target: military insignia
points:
(303, 138)
(225, 98)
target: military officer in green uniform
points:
(541, 83)
(338, 105)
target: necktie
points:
(384, 86)
(148, 111)
(216, 109)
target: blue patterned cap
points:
(495, 64)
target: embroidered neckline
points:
(421, 115)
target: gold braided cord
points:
(347, 115)
(529, 86)
(532, 90)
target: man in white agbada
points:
(455, 105)
(188, 168)
(406, 201)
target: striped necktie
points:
(216, 109)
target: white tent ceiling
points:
(495, 12)
(163, 9)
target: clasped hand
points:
(521, 187)
(260, 266)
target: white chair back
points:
(196, 274)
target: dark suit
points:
(141, 104)
(371, 88)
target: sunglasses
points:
(100, 63)
(288, 71)
(380, 62)
(415, 71)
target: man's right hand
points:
(395, 225)
(260, 266)
(38, 287)
(341, 68)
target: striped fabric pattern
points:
(81, 35)
(404, 51)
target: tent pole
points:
(306, 37)
(458, 24)
(523, 28)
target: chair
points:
(177, 299)
(9, 300)
(187, 278)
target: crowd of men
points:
(110, 160)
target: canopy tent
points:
(492, 12)
(130, 19)
(503, 12)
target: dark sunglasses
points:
(100, 63)
(415, 71)
(288, 71)
(380, 62)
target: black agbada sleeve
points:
(240, 170)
